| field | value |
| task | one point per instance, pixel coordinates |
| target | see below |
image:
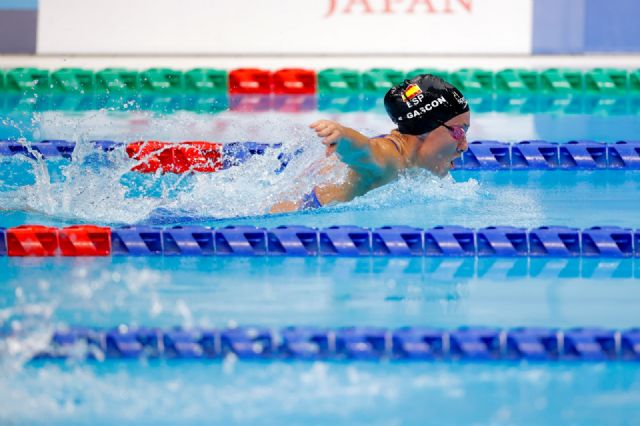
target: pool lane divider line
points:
(206, 157)
(347, 343)
(333, 241)
(303, 81)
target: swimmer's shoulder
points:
(389, 151)
(393, 143)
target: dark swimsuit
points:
(310, 200)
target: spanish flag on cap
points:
(411, 92)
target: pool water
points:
(39, 295)
(321, 393)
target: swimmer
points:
(433, 118)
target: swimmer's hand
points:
(331, 132)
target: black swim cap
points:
(423, 103)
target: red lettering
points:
(364, 3)
(426, 3)
(388, 5)
(466, 4)
(332, 8)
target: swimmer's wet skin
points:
(433, 118)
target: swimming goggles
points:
(457, 132)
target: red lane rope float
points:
(41, 241)
(245, 81)
(183, 157)
(32, 240)
(294, 81)
(288, 81)
(85, 240)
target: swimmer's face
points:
(443, 145)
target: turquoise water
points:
(445, 293)
(42, 294)
(323, 393)
(37, 295)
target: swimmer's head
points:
(423, 103)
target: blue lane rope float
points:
(3, 241)
(349, 343)
(333, 241)
(481, 155)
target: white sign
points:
(403, 27)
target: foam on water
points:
(103, 190)
(417, 186)
(113, 194)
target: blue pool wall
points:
(586, 26)
(18, 26)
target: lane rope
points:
(340, 241)
(348, 343)
(203, 156)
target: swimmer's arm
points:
(375, 157)
(365, 156)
